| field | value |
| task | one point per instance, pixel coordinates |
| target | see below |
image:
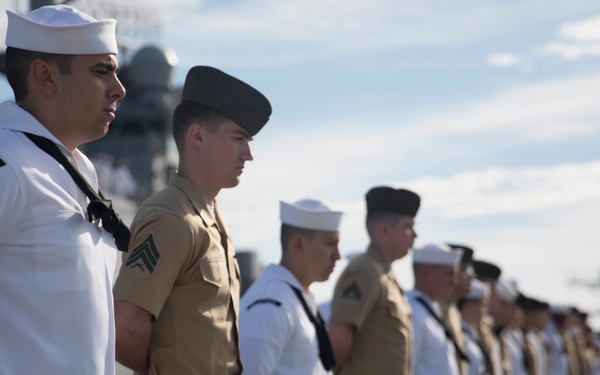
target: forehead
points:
(442, 268)
(327, 235)
(404, 219)
(91, 60)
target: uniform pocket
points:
(211, 270)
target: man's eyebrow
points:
(110, 66)
(244, 133)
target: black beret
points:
(486, 270)
(227, 95)
(398, 201)
(467, 256)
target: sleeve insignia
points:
(144, 257)
(352, 292)
(264, 300)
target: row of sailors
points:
(503, 331)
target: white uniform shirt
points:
(515, 345)
(434, 353)
(276, 335)
(55, 266)
(474, 352)
(559, 359)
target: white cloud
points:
(510, 190)
(270, 32)
(503, 59)
(571, 51)
(585, 30)
(577, 39)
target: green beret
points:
(398, 201)
(227, 95)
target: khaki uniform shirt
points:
(368, 296)
(453, 320)
(181, 268)
(494, 363)
(571, 346)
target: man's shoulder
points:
(268, 300)
(268, 290)
(168, 200)
(363, 265)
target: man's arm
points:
(341, 336)
(132, 325)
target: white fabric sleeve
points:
(264, 330)
(11, 207)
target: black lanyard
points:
(449, 335)
(325, 350)
(99, 207)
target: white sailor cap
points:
(436, 253)
(61, 29)
(507, 290)
(478, 290)
(310, 214)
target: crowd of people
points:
(175, 306)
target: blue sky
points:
(488, 109)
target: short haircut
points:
(374, 218)
(18, 62)
(188, 113)
(287, 231)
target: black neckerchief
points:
(99, 207)
(325, 350)
(462, 354)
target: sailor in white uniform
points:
(56, 266)
(435, 267)
(281, 330)
(472, 308)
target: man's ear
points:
(42, 77)
(195, 135)
(296, 244)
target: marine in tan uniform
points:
(534, 320)
(452, 315)
(492, 346)
(177, 293)
(370, 324)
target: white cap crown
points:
(478, 290)
(61, 29)
(436, 253)
(310, 214)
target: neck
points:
(300, 276)
(208, 191)
(385, 254)
(423, 289)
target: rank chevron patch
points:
(145, 256)
(352, 292)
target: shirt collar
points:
(376, 255)
(194, 195)
(279, 272)
(17, 119)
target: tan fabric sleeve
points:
(160, 249)
(355, 296)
